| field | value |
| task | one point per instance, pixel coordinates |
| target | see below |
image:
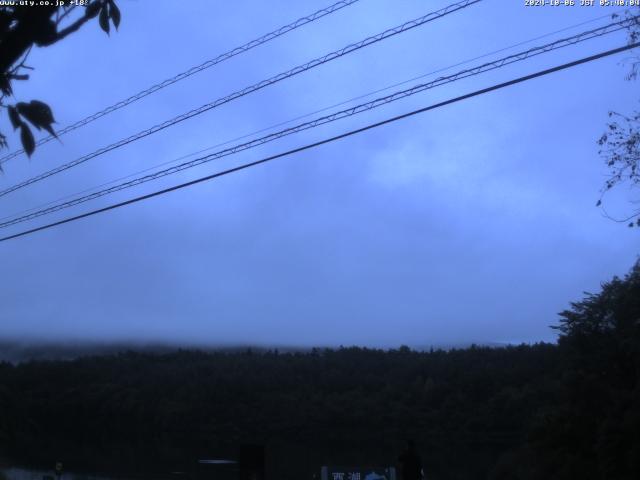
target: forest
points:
(567, 410)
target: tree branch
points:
(71, 28)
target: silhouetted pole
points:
(251, 462)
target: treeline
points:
(562, 411)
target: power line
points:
(192, 71)
(496, 64)
(331, 139)
(258, 86)
(300, 117)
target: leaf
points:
(5, 85)
(599, 203)
(92, 9)
(104, 19)
(43, 110)
(23, 109)
(3, 144)
(46, 115)
(38, 113)
(26, 137)
(114, 13)
(50, 129)
(14, 117)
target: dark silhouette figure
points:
(410, 463)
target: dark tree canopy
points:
(567, 411)
(593, 432)
(620, 144)
(21, 28)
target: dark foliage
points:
(621, 150)
(595, 432)
(543, 411)
(327, 406)
(21, 28)
(620, 144)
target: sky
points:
(475, 222)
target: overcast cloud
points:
(473, 222)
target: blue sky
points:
(470, 223)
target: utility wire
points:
(192, 71)
(330, 139)
(500, 63)
(306, 115)
(258, 86)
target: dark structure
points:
(251, 462)
(411, 463)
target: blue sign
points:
(357, 473)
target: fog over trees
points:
(564, 411)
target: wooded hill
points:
(564, 411)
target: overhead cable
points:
(240, 93)
(328, 140)
(192, 71)
(486, 67)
